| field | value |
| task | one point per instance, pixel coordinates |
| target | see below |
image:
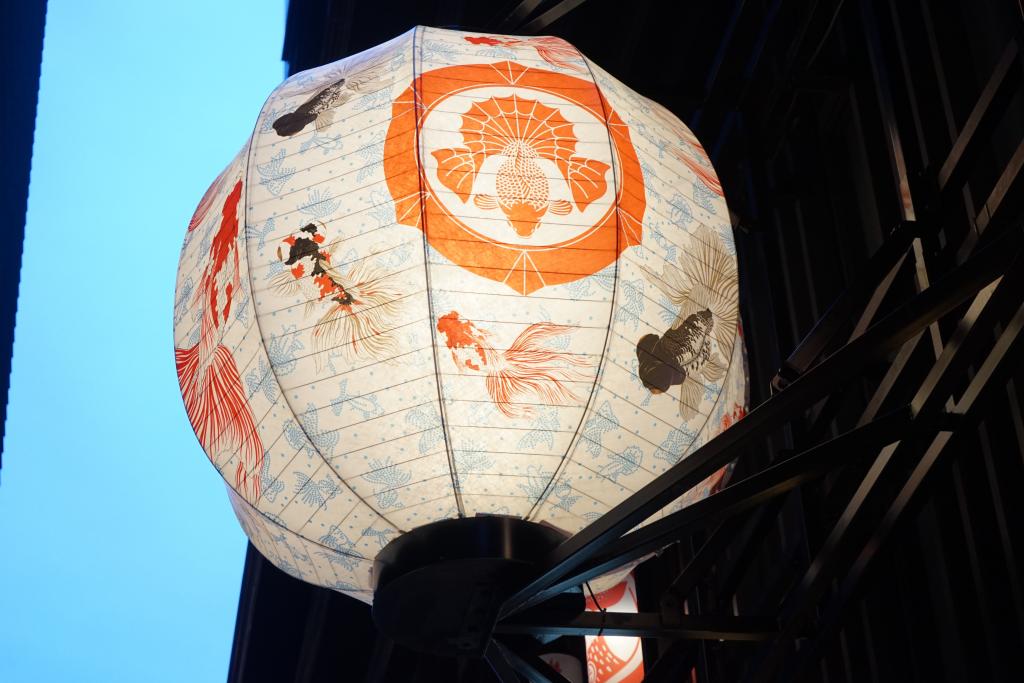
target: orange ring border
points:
(596, 249)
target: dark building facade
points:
(868, 150)
(21, 45)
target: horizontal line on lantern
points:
(659, 357)
(504, 271)
(363, 186)
(527, 324)
(610, 248)
(281, 142)
(533, 296)
(328, 349)
(489, 70)
(414, 266)
(297, 93)
(513, 403)
(517, 429)
(375, 417)
(381, 120)
(356, 369)
(391, 386)
(568, 480)
(369, 165)
(520, 58)
(342, 264)
(541, 139)
(655, 158)
(382, 443)
(613, 454)
(488, 451)
(443, 475)
(264, 265)
(658, 302)
(422, 456)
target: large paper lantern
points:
(458, 275)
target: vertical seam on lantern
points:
(456, 491)
(262, 343)
(587, 411)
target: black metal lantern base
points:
(439, 588)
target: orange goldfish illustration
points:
(523, 132)
(215, 399)
(527, 371)
(551, 49)
(361, 301)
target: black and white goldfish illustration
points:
(696, 347)
(361, 301)
(351, 80)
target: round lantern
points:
(455, 277)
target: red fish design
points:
(527, 370)
(551, 49)
(361, 301)
(215, 399)
(522, 131)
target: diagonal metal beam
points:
(734, 499)
(552, 15)
(930, 398)
(644, 625)
(875, 277)
(992, 375)
(986, 113)
(521, 654)
(500, 664)
(674, 664)
(705, 558)
(517, 16)
(882, 338)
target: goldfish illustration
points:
(215, 399)
(361, 301)
(199, 215)
(356, 78)
(526, 371)
(704, 288)
(691, 154)
(551, 49)
(522, 131)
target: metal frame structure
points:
(917, 432)
(873, 496)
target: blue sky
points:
(120, 559)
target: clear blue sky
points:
(120, 559)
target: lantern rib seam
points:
(456, 492)
(587, 409)
(273, 371)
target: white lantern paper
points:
(457, 274)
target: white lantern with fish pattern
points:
(458, 275)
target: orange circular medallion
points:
(525, 176)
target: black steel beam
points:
(734, 499)
(644, 625)
(705, 558)
(988, 109)
(875, 277)
(499, 663)
(882, 338)
(519, 14)
(550, 16)
(674, 664)
(990, 377)
(933, 393)
(522, 655)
